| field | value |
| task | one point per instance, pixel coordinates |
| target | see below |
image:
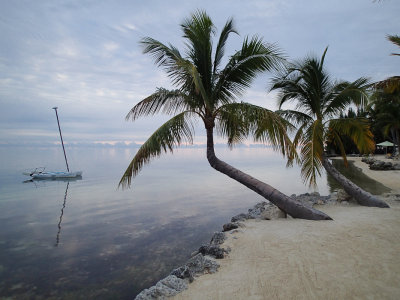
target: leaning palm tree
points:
(319, 103)
(209, 92)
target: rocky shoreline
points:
(204, 260)
(380, 165)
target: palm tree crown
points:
(207, 90)
(319, 102)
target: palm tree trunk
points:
(362, 197)
(285, 203)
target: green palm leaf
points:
(171, 134)
(163, 100)
(357, 129)
(238, 121)
(219, 52)
(311, 152)
(344, 94)
(395, 39)
(254, 57)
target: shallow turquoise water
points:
(86, 239)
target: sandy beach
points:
(356, 256)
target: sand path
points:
(356, 256)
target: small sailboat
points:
(40, 173)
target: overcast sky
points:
(84, 56)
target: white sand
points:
(356, 256)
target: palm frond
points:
(254, 57)
(195, 83)
(344, 93)
(311, 152)
(357, 129)
(219, 52)
(198, 31)
(238, 121)
(390, 85)
(164, 56)
(334, 137)
(395, 39)
(163, 100)
(304, 82)
(295, 117)
(171, 134)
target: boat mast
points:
(62, 142)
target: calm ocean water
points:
(86, 239)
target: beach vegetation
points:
(319, 100)
(384, 110)
(208, 91)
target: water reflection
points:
(110, 243)
(357, 176)
(61, 216)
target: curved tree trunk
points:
(285, 203)
(363, 197)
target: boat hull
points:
(54, 175)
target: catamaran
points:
(40, 173)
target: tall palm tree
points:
(319, 102)
(209, 92)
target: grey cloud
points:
(84, 57)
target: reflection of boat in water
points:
(40, 173)
(61, 216)
(43, 183)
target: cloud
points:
(84, 56)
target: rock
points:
(230, 226)
(368, 160)
(167, 287)
(342, 196)
(240, 217)
(183, 273)
(200, 264)
(256, 211)
(194, 253)
(388, 165)
(381, 165)
(396, 166)
(272, 212)
(218, 238)
(172, 285)
(212, 250)
(312, 199)
(197, 265)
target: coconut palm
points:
(319, 103)
(208, 92)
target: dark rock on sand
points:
(240, 217)
(212, 250)
(167, 287)
(230, 226)
(218, 238)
